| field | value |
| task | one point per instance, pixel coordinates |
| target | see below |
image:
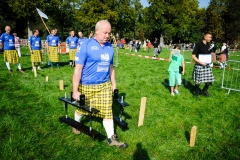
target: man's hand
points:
(203, 63)
(76, 95)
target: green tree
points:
(171, 17)
(215, 22)
(232, 21)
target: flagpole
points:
(44, 24)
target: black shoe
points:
(196, 94)
(205, 93)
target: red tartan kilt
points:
(222, 58)
(213, 57)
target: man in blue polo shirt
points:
(94, 76)
(81, 39)
(34, 45)
(10, 54)
(72, 42)
(53, 48)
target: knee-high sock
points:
(108, 125)
(221, 64)
(8, 65)
(19, 66)
(51, 63)
(77, 117)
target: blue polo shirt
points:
(96, 61)
(8, 41)
(72, 42)
(35, 42)
(53, 40)
(81, 40)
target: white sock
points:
(221, 64)
(19, 66)
(8, 65)
(38, 67)
(77, 117)
(70, 63)
(108, 125)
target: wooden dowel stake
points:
(61, 85)
(142, 111)
(193, 136)
(35, 71)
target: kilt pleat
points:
(53, 55)
(72, 54)
(202, 74)
(11, 56)
(100, 96)
(36, 56)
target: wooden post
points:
(46, 78)
(61, 86)
(142, 111)
(193, 136)
(35, 71)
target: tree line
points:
(175, 20)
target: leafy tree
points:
(232, 21)
(92, 11)
(171, 17)
(215, 23)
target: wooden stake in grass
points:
(61, 86)
(46, 78)
(142, 111)
(35, 71)
(193, 136)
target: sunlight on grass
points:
(30, 109)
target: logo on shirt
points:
(105, 57)
(76, 58)
(94, 48)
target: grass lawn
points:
(30, 111)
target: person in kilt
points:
(72, 42)
(94, 76)
(223, 58)
(10, 54)
(202, 72)
(34, 45)
(81, 39)
(53, 48)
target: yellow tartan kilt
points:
(53, 55)
(11, 56)
(36, 56)
(72, 54)
(100, 96)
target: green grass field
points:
(30, 111)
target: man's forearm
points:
(76, 77)
(113, 77)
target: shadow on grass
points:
(165, 83)
(187, 136)
(140, 153)
(188, 85)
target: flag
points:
(41, 14)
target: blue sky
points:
(202, 3)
